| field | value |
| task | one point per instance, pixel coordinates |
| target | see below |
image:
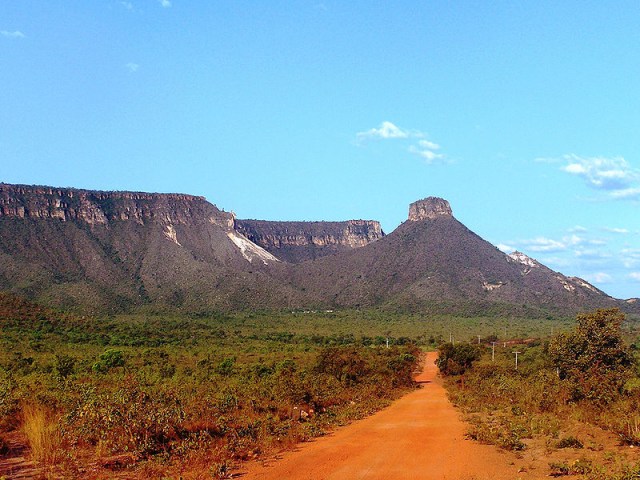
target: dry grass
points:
(41, 429)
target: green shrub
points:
(593, 359)
(111, 358)
(456, 359)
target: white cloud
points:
(630, 257)
(387, 130)
(612, 174)
(543, 244)
(632, 193)
(429, 145)
(505, 248)
(132, 67)
(598, 277)
(16, 34)
(591, 254)
(429, 155)
(165, 3)
(556, 262)
(425, 149)
(616, 230)
(635, 276)
(577, 229)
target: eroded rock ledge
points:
(429, 208)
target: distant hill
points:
(116, 251)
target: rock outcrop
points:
(295, 242)
(100, 208)
(429, 208)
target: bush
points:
(593, 359)
(111, 358)
(456, 359)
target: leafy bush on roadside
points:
(456, 359)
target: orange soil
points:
(418, 437)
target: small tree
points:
(593, 359)
(456, 359)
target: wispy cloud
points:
(632, 193)
(132, 67)
(127, 5)
(165, 3)
(543, 244)
(622, 231)
(604, 173)
(15, 34)
(630, 257)
(385, 131)
(614, 176)
(635, 276)
(576, 244)
(598, 277)
(427, 150)
(418, 144)
(591, 254)
(505, 248)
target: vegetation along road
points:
(418, 437)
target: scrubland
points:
(157, 395)
(572, 408)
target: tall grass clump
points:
(43, 435)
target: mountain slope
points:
(432, 259)
(114, 250)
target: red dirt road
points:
(419, 436)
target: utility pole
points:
(516, 358)
(478, 339)
(493, 351)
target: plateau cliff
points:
(296, 242)
(116, 250)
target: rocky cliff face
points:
(295, 242)
(428, 209)
(100, 208)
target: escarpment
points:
(296, 242)
(100, 208)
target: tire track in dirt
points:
(420, 436)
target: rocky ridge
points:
(100, 208)
(295, 242)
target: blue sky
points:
(524, 115)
